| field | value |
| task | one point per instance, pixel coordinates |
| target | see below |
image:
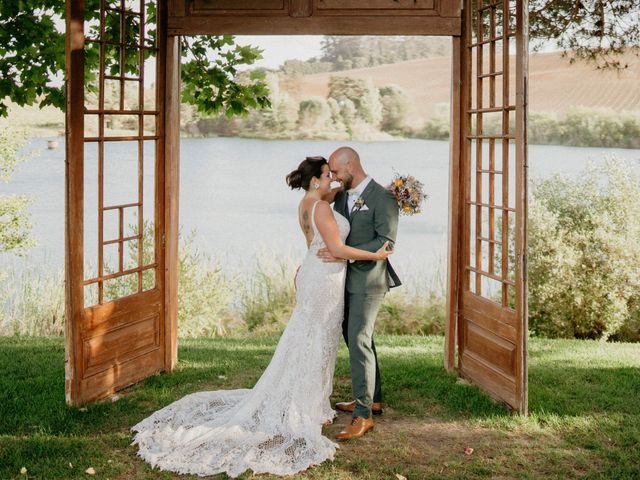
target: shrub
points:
(15, 225)
(268, 297)
(584, 254)
(314, 115)
(403, 314)
(582, 127)
(204, 295)
(436, 128)
(395, 104)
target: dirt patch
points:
(426, 448)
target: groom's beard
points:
(347, 182)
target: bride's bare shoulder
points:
(324, 212)
(323, 206)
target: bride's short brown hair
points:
(310, 167)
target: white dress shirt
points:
(355, 192)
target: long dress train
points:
(275, 427)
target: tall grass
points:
(31, 301)
(256, 299)
(267, 294)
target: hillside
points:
(554, 84)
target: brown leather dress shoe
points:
(357, 428)
(376, 408)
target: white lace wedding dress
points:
(275, 427)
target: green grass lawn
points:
(584, 420)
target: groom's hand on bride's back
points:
(325, 255)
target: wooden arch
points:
(121, 286)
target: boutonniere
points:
(359, 204)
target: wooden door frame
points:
(460, 178)
(174, 21)
(165, 175)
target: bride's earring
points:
(316, 186)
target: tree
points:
(593, 30)
(395, 104)
(346, 52)
(14, 220)
(32, 52)
(314, 116)
(362, 93)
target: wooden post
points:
(522, 167)
(74, 168)
(455, 209)
(171, 192)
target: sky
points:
(277, 49)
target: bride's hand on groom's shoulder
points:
(325, 255)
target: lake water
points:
(234, 194)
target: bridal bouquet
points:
(408, 192)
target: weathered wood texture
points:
(455, 208)
(305, 17)
(73, 195)
(492, 299)
(115, 332)
(172, 195)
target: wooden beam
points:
(450, 8)
(318, 25)
(456, 207)
(300, 8)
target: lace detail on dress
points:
(275, 427)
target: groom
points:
(373, 215)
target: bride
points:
(275, 427)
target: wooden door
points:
(116, 330)
(492, 290)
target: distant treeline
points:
(353, 109)
(581, 127)
(348, 52)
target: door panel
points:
(115, 198)
(492, 310)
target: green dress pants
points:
(361, 311)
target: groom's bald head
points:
(345, 166)
(345, 155)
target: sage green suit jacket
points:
(370, 228)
